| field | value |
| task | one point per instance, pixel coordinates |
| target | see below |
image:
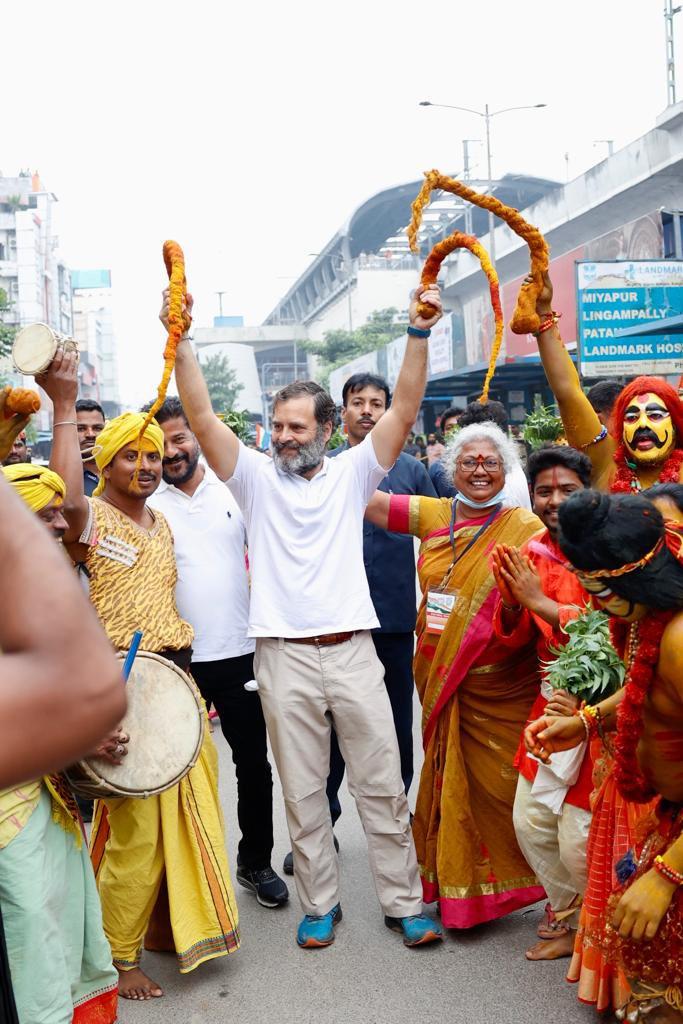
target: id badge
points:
(439, 606)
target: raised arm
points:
(219, 444)
(60, 383)
(390, 434)
(60, 685)
(581, 423)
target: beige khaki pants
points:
(554, 845)
(305, 689)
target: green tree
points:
(221, 380)
(339, 347)
(7, 336)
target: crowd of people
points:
(283, 584)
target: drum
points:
(35, 347)
(165, 722)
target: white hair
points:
(480, 432)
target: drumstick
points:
(132, 651)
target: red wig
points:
(641, 386)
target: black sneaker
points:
(270, 889)
(288, 863)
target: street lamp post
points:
(488, 115)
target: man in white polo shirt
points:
(311, 614)
(212, 594)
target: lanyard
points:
(456, 558)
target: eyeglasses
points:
(489, 463)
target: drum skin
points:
(35, 347)
(165, 721)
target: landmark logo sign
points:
(617, 295)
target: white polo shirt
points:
(306, 543)
(212, 592)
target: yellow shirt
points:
(16, 807)
(132, 579)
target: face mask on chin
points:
(495, 499)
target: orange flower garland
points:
(430, 272)
(174, 259)
(21, 402)
(525, 319)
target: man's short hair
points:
(484, 412)
(170, 409)
(449, 413)
(553, 455)
(359, 381)
(604, 394)
(324, 408)
(89, 405)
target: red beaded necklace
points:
(638, 643)
(626, 479)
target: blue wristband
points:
(417, 332)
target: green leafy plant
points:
(337, 439)
(221, 381)
(587, 665)
(542, 426)
(240, 424)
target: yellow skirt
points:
(164, 856)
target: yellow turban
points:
(36, 485)
(122, 431)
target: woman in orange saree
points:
(475, 696)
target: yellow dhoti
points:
(177, 837)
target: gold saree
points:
(476, 698)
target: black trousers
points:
(222, 684)
(395, 651)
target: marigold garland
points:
(629, 777)
(430, 272)
(626, 479)
(174, 259)
(21, 402)
(525, 319)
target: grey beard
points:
(307, 458)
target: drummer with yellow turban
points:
(42, 490)
(47, 887)
(160, 861)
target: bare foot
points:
(136, 985)
(552, 949)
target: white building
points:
(93, 329)
(34, 280)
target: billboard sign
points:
(618, 294)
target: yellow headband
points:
(36, 485)
(122, 431)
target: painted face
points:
(649, 432)
(608, 601)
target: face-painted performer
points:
(631, 559)
(645, 446)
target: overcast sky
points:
(250, 131)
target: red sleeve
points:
(399, 513)
(522, 633)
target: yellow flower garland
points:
(430, 272)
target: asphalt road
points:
(367, 976)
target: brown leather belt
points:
(320, 641)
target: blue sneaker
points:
(318, 931)
(417, 930)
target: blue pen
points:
(130, 657)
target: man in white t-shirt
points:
(311, 615)
(212, 594)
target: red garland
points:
(631, 782)
(626, 479)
